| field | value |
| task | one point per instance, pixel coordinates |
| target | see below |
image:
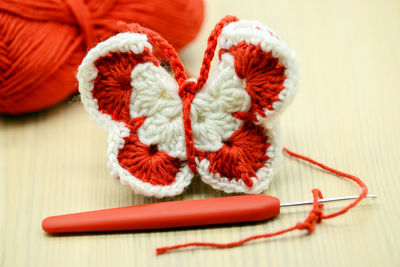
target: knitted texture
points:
(164, 128)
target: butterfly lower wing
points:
(119, 95)
(246, 163)
(255, 80)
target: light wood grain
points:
(346, 114)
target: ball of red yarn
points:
(42, 42)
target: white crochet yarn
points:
(253, 32)
(264, 175)
(155, 96)
(87, 72)
(212, 107)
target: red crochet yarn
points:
(238, 157)
(315, 216)
(245, 149)
(112, 87)
(264, 75)
(146, 161)
(42, 42)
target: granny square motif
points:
(163, 128)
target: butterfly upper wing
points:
(266, 63)
(234, 115)
(125, 91)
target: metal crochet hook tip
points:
(324, 200)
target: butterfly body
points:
(165, 128)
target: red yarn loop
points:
(315, 216)
(189, 87)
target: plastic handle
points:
(168, 215)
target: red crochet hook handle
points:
(173, 214)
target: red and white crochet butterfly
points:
(164, 128)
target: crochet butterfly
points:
(163, 128)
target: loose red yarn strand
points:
(339, 173)
(315, 216)
(210, 50)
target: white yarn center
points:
(155, 96)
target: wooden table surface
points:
(346, 114)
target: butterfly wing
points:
(234, 117)
(127, 92)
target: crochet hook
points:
(224, 210)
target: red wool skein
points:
(42, 42)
